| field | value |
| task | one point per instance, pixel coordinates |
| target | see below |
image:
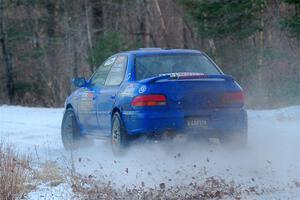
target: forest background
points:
(43, 44)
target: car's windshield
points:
(154, 65)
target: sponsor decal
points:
(128, 76)
(179, 74)
(86, 101)
(110, 61)
(129, 90)
(89, 95)
(142, 89)
(121, 59)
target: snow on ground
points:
(34, 130)
(271, 162)
(62, 191)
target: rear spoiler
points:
(193, 77)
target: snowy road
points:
(271, 163)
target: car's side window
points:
(117, 71)
(101, 73)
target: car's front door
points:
(108, 92)
(89, 97)
(87, 109)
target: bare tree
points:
(7, 55)
(162, 21)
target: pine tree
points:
(292, 21)
(224, 18)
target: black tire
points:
(70, 132)
(119, 138)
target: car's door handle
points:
(113, 96)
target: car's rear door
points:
(108, 93)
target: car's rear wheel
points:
(119, 138)
(70, 132)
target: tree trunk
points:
(144, 24)
(88, 24)
(87, 6)
(162, 22)
(260, 58)
(7, 55)
(147, 27)
(51, 52)
(151, 40)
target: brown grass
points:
(18, 178)
(14, 173)
(49, 173)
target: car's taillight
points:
(233, 98)
(149, 100)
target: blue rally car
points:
(153, 92)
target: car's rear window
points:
(147, 66)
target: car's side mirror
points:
(79, 82)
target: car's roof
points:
(146, 51)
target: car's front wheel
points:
(119, 138)
(70, 131)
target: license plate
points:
(196, 122)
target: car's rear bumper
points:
(160, 121)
